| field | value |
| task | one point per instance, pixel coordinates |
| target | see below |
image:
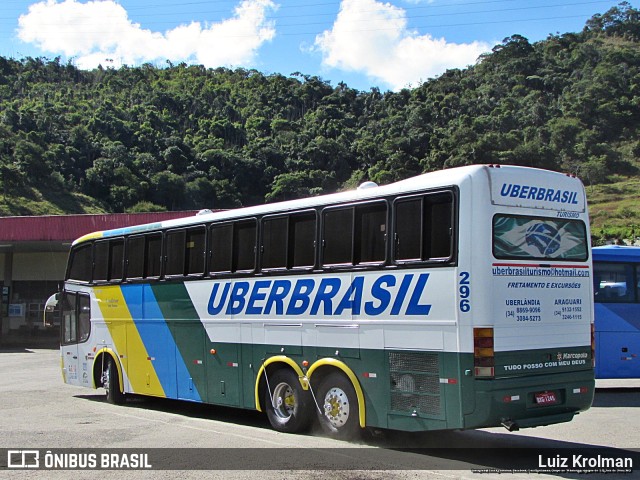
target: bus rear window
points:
(539, 238)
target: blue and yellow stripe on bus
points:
(156, 335)
(127, 341)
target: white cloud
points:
(372, 37)
(95, 31)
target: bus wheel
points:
(339, 407)
(111, 383)
(288, 406)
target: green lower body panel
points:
(168, 350)
(401, 390)
(436, 391)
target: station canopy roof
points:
(56, 232)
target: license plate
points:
(546, 398)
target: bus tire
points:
(339, 410)
(288, 405)
(111, 383)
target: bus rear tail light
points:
(510, 398)
(593, 345)
(483, 353)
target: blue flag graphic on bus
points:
(540, 238)
(546, 238)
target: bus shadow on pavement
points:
(471, 450)
(206, 411)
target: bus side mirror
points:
(51, 312)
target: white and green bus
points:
(452, 300)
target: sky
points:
(364, 43)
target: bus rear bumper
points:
(520, 403)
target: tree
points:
(12, 178)
(186, 135)
(623, 21)
(168, 190)
(289, 186)
(29, 158)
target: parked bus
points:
(616, 281)
(456, 299)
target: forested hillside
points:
(186, 137)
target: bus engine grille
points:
(415, 383)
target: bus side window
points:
(289, 241)
(153, 255)
(143, 256)
(174, 252)
(233, 246)
(195, 250)
(101, 261)
(302, 240)
(135, 257)
(613, 283)
(185, 252)
(371, 233)
(76, 317)
(408, 229)
(423, 227)
(81, 263)
(355, 235)
(108, 260)
(244, 245)
(220, 246)
(69, 323)
(116, 260)
(84, 317)
(274, 242)
(438, 222)
(338, 236)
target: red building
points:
(33, 257)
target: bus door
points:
(76, 326)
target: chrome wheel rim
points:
(105, 379)
(336, 407)
(283, 401)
